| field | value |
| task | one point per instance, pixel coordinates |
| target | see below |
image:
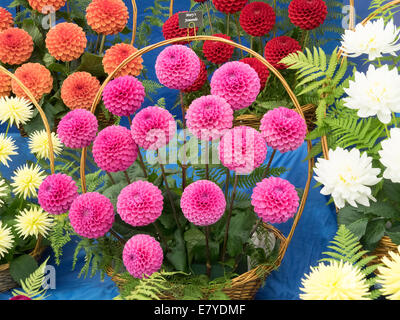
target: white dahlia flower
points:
(347, 177)
(390, 156)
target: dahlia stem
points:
(67, 67)
(158, 231)
(304, 39)
(228, 176)
(261, 46)
(97, 43)
(118, 237)
(8, 128)
(228, 221)
(274, 6)
(184, 142)
(238, 33)
(208, 264)
(251, 42)
(169, 194)
(228, 21)
(103, 39)
(142, 164)
(394, 119)
(209, 17)
(269, 164)
(111, 177)
(387, 131)
(127, 177)
(207, 159)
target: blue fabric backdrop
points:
(316, 227)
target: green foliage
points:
(22, 267)
(387, 14)
(60, 235)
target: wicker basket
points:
(382, 250)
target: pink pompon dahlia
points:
(152, 128)
(20, 297)
(114, 149)
(6, 19)
(79, 90)
(116, 54)
(260, 68)
(209, 117)
(171, 29)
(278, 48)
(257, 18)
(275, 200)
(78, 128)
(283, 129)
(16, 46)
(123, 96)
(218, 52)
(66, 41)
(229, 6)
(142, 256)
(140, 203)
(177, 67)
(242, 149)
(43, 6)
(200, 81)
(307, 14)
(91, 215)
(203, 203)
(237, 83)
(107, 16)
(56, 193)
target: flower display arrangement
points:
(183, 230)
(357, 121)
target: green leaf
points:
(239, 231)
(349, 214)
(193, 237)
(375, 231)
(22, 267)
(93, 64)
(392, 190)
(29, 26)
(358, 227)
(177, 255)
(394, 236)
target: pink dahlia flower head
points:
(283, 129)
(177, 67)
(142, 256)
(56, 193)
(152, 128)
(275, 200)
(114, 149)
(91, 215)
(242, 149)
(237, 83)
(209, 117)
(140, 203)
(203, 203)
(123, 96)
(78, 128)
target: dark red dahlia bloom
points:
(257, 18)
(20, 297)
(307, 14)
(278, 48)
(218, 52)
(170, 29)
(260, 68)
(229, 6)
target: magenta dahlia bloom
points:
(91, 215)
(142, 256)
(275, 200)
(283, 129)
(123, 96)
(56, 193)
(78, 128)
(237, 83)
(114, 149)
(242, 149)
(177, 67)
(203, 203)
(152, 128)
(209, 117)
(140, 203)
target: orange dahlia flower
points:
(66, 41)
(118, 53)
(35, 77)
(107, 16)
(16, 46)
(5, 85)
(42, 5)
(6, 19)
(79, 90)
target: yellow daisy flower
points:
(33, 222)
(334, 281)
(6, 240)
(26, 180)
(39, 144)
(3, 191)
(7, 149)
(15, 110)
(389, 275)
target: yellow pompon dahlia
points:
(5, 85)
(33, 222)
(118, 53)
(39, 144)
(15, 110)
(7, 149)
(6, 239)
(43, 6)
(107, 16)
(389, 275)
(3, 191)
(26, 180)
(334, 281)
